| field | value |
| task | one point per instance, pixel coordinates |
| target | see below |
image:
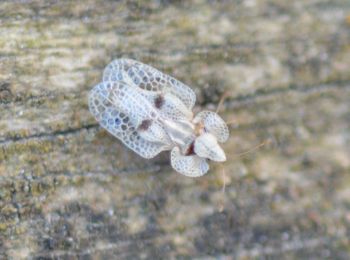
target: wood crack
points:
(45, 135)
(234, 102)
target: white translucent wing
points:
(213, 124)
(150, 79)
(168, 105)
(190, 165)
(123, 112)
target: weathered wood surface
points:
(70, 190)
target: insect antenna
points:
(258, 146)
(267, 141)
(223, 172)
(230, 122)
(225, 95)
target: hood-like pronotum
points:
(206, 146)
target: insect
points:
(151, 112)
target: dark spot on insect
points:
(117, 121)
(159, 101)
(190, 150)
(145, 124)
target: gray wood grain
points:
(69, 190)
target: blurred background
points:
(69, 190)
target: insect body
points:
(151, 112)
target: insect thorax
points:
(181, 133)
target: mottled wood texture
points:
(70, 190)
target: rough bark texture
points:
(70, 190)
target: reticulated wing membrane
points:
(123, 112)
(150, 79)
(213, 124)
(190, 165)
(168, 105)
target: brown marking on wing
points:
(159, 101)
(190, 150)
(145, 124)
